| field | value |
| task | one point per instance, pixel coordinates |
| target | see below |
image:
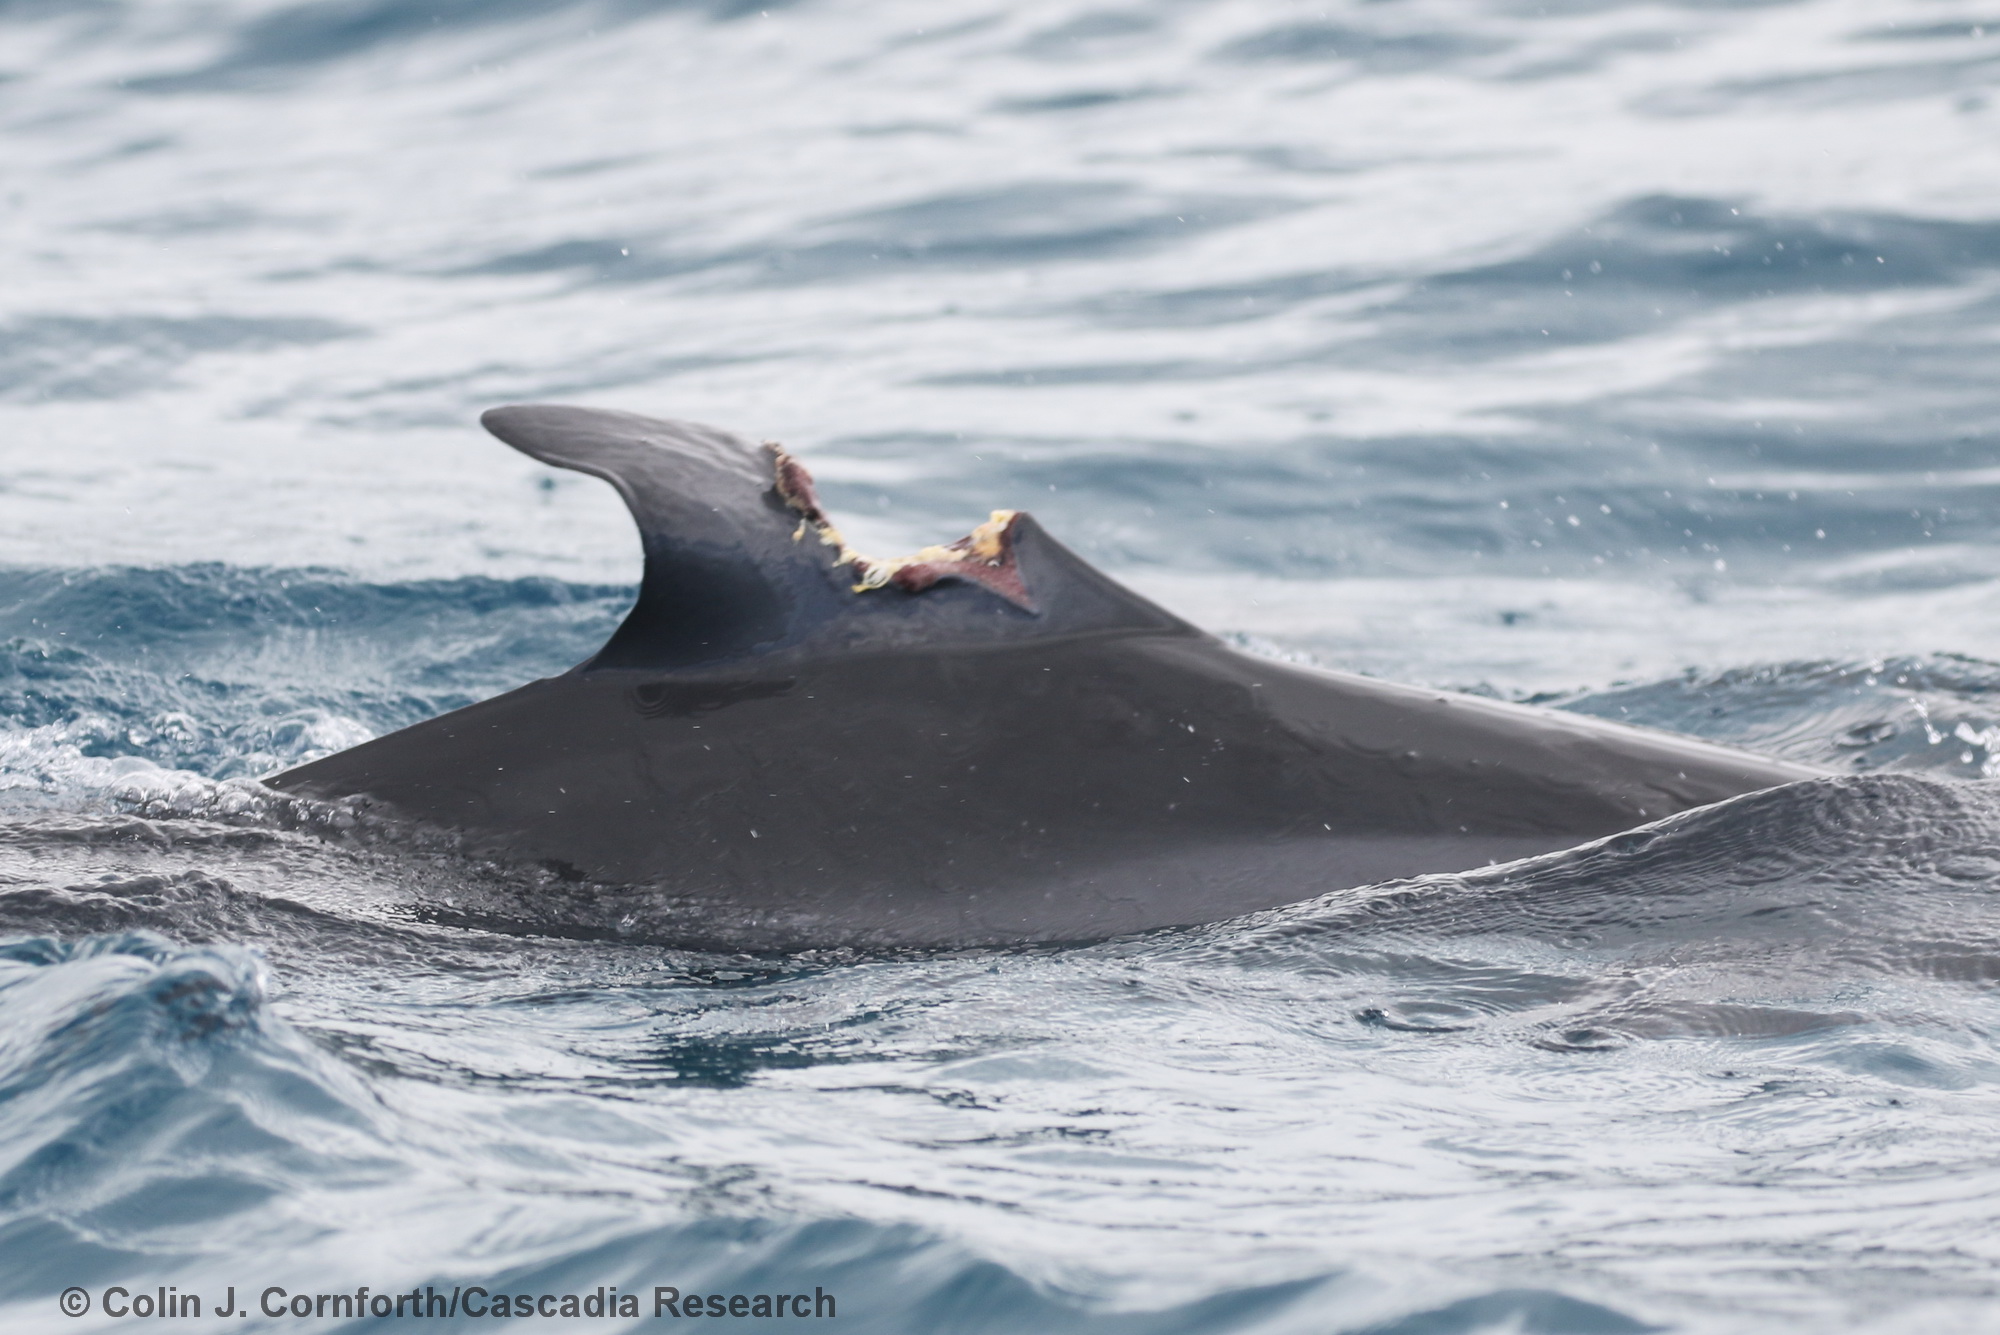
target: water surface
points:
(1635, 358)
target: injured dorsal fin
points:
(741, 561)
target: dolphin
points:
(788, 744)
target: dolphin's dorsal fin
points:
(741, 560)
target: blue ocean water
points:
(1635, 358)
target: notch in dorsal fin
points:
(984, 556)
(741, 560)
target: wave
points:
(1931, 715)
(1777, 914)
(155, 1118)
(230, 672)
(147, 1102)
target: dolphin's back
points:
(996, 745)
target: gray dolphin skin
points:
(788, 745)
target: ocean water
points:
(1636, 358)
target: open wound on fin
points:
(984, 556)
